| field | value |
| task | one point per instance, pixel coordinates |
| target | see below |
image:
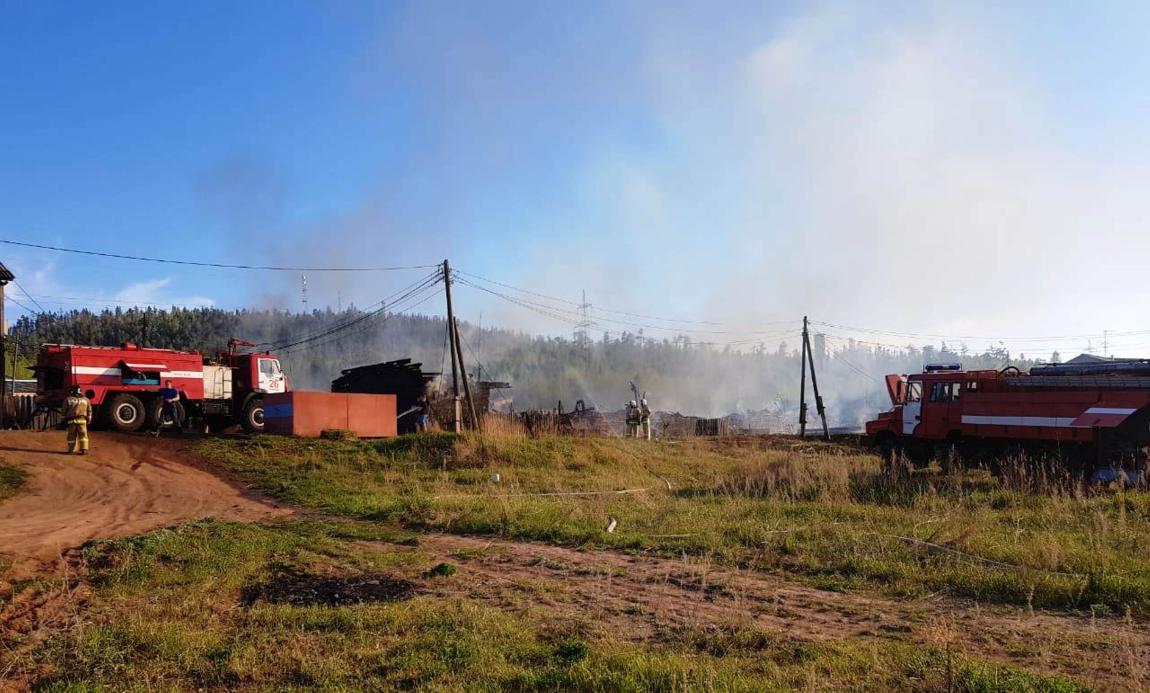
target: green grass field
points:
(825, 512)
(173, 611)
(353, 593)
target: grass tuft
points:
(11, 480)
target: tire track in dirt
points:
(645, 599)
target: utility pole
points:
(454, 363)
(803, 384)
(5, 277)
(808, 359)
(814, 381)
(463, 372)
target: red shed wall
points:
(303, 413)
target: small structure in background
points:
(405, 380)
(408, 382)
(582, 421)
(676, 425)
(300, 413)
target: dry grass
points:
(502, 426)
(830, 514)
(168, 613)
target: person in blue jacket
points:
(170, 408)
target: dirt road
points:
(129, 484)
(647, 599)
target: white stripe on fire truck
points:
(1046, 421)
(94, 370)
(194, 375)
(1122, 411)
(98, 371)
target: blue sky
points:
(951, 168)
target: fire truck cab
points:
(929, 404)
(123, 383)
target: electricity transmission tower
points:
(581, 336)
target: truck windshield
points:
(269, 367)
(914, 392)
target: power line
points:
(337, 335)
(20, 304)
(577, 304)
(385, 306)
(373, 308)
(474, 355)
(563, 316)
(30, 297)
(432, 280)
(218, 265)
(575, 318)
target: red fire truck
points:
(124, 382)
(1096, 410)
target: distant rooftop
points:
(5, 275)
(1083, 359)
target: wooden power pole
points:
(463, 373)
(5, 277)
(457, 368)
(808, 358)
(803, 384)
(451, 337)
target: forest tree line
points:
(678, 374)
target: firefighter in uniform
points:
(77, 414)
(644, 419)
(632, 419)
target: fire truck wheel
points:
(156, 411)
(126, 413)
(253, 418)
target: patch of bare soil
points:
(648, 599)
(128, 484)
